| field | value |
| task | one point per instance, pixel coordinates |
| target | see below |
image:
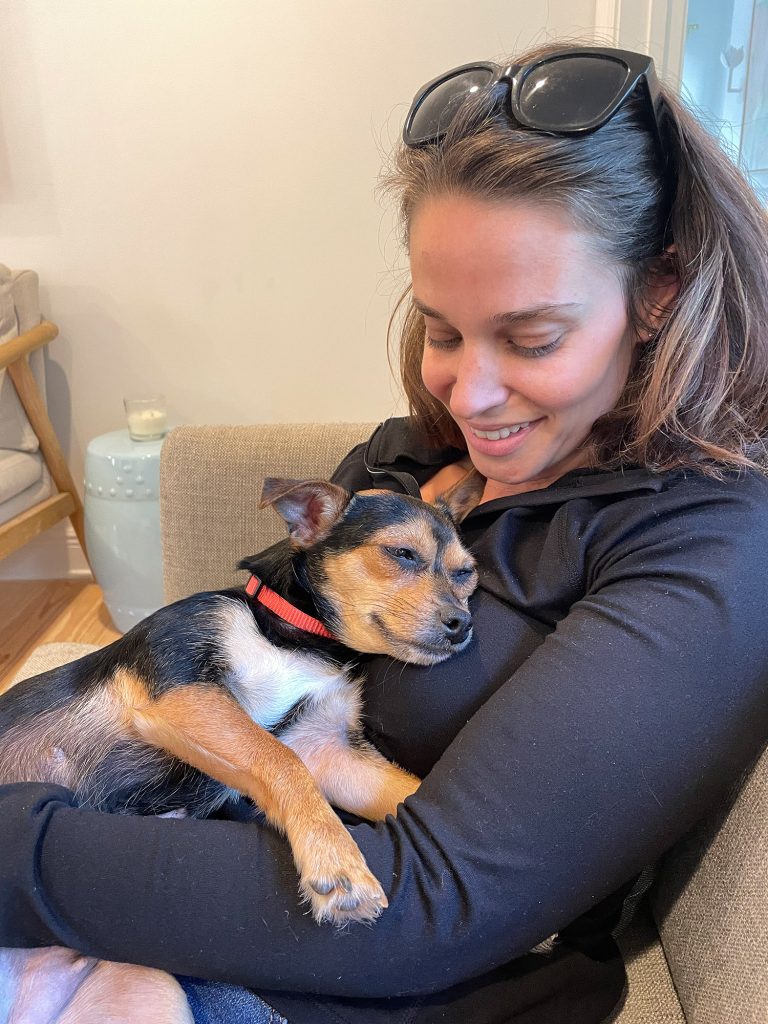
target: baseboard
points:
(54, 555)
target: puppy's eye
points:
(463, 574)
(405, 556)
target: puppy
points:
(249, 690)
(245, 691)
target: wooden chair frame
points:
(28, 524)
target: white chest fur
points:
(266, 680)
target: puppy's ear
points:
(462, 497)
(309, 507)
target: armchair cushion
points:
(18, 471)
(30, 496)
(19, 312)
(24, 479)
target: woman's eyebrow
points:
(518, 316)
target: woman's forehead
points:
(461, 224)
(506, 257)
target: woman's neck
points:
(500, 489)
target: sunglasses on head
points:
(568, 92)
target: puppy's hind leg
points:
(349, 770)
(127, 994)
(59, 986)
(37, 984)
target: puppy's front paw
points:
(335, 879)
(351, 894)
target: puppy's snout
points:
(456, 623)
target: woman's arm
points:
(638, 712)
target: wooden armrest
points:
(27, 342)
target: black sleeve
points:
(621, 729)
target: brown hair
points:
(697, 395)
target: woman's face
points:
(527, 335)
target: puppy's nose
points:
(456, 623)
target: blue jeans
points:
(214, 1002)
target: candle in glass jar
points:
(146, 418)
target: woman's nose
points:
(479, 384)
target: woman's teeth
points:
(495, 435)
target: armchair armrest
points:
(711, 906)
(27, 342)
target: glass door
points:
(725, 75)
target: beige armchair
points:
(697, 948)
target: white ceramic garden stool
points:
(122, 524)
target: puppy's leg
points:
(351, 772)
(205, 727)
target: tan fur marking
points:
(459, 485)
(464, 495)
(207, 729)
(445, 478)
(129, 690)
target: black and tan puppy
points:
(250, 689)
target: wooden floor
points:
(34, 612)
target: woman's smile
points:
(499, 441)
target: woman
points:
(587, 326)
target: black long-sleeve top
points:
(615, 691)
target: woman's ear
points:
(661, 290)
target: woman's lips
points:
(502, 445)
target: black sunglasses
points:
(569, 92)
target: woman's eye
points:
(518, 345)
(535, 350)
(442, 343)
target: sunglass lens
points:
(432, 112)
(572, 93)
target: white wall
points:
(194, 180)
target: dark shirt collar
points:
(397, 454)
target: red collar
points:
(260, 592)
